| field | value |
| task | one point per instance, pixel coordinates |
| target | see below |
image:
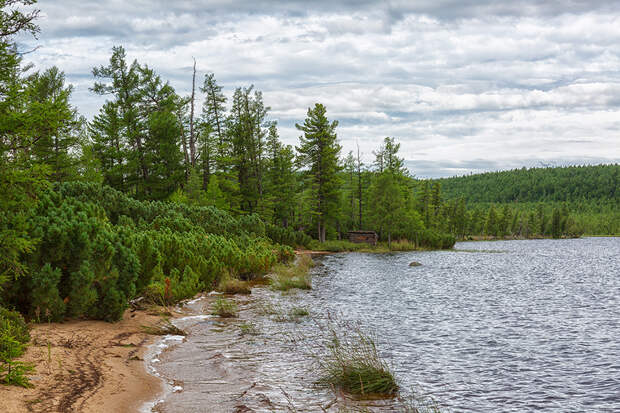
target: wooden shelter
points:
(361, 237)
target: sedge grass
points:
(224, 308)
(286, 277)
(351, 363)
(232, 285)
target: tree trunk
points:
(389, 240)
(192, 137)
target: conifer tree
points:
(387, 203)
(58, 135)
(319, 151)
(491, 225)
(20, 180)
(214, 115)
(280, 179)
(142, 117)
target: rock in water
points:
(415, 264)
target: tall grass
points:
(224, 308)
(351, 363)
(232, 285)
(285, 276)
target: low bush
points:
(98, 248)
(288, 236)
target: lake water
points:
(510, 326)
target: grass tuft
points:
(231, 285)
(352, 364)
(286, 277)
(248, 329)
(299, 312)
(224, 308)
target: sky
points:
(465, 86)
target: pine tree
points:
(109, 146)
(491, 225)
(58, 136)
(319, 151)
(141, 125)
(280, 179)
(245, 126)
(214, 115)
(20, 180)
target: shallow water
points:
(521, 326)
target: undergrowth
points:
(14, 337)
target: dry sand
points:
(88, 366)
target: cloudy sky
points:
(465, 86)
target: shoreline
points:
(88, 366)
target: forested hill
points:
(572, 184)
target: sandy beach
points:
(86, 366)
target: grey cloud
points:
(454, 81)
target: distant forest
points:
(599, 183)
(587, 197)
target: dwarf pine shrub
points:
(97, 248)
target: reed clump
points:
(286, 277)
(224, 308)
(352, 364)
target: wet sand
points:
(87, 366)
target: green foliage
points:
(319, 151)
(45, 301)
(561, 184)
(287, 236)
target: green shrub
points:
(16, 323)
(97, 248)
(14, 335)
(45, 301)
(287, 236)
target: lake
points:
(505, 326)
